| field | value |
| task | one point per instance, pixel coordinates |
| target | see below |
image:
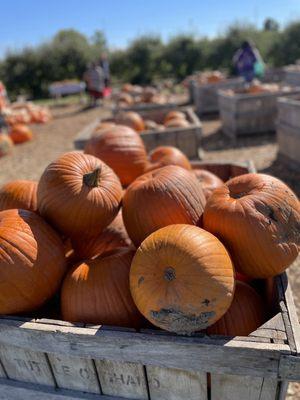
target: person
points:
(94, 79)
(104, 63)
(248, 62)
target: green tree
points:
(271, 24)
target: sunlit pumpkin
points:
(257, 217)
(32, 261)
(18, 194)
(103, 125)
(208, 180)
(6, 145)
(182, 278)
(168, 155)
(165, 196)
(20, 133)
(131, 119)
(177, 123)
(79, 195)
(174, 115)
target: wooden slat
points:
(2, 372)
(175, 384)
(273, 329)
(122, 379)
(74, 373)
(26, 366)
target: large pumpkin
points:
(32, 261)
(79, 195)
(257, 217)
(6, 145)
(165, 196)
(131, 119)
(19, 194)
(122, 149)
(20, 133)
(113, 236)
(182, 279)
(208, 180)
(168, 155)
(244, 316)
(97, 291)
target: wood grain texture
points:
(2, 372)
(175, 384)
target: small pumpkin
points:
(97, 291)
(150, 125)
(20, 133)
(208, 180)
(103, 125)
(6, 145)
(174, 115)
(79, 194)
(165, 196)
(182, 279)
(168, 155)
(32, 261)
(245, 315)
(177, 123)
(126, 99)
(257, 217)
(19, 194)
(131, 119)
(122, 149)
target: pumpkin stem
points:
(91, 179)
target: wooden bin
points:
(44, 359)
(244, 113)
(292, 75)
(288, 130)
(186, 139)
(206, 95)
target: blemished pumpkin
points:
(97, 291)
(182, 279)
(6, 145)
(113, 236)
(79, 195)
(131, 119)
(20, 133)
(19, 194)
(122, 149)
(32, 261)
(245, 315)
(165, 196)
(168, 155)
(208, 180)
(257, 217)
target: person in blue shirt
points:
(248, 61)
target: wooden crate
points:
(292, 75)
(149, 106)
(206, 95)
(186, 139)
(288, 130)
(272, 75)
(248, 113)
(44, 359)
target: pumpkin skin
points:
(257, 217)
(20, 134)
(244, 316)
(103, 125)
(168, 155)
(208, 180)
(79, 194)
(113, 236)
(132, 120)
(6, 145)
(174, 115)
(165, 196)
(182, 279)
(19, 194)
(122, 149)
(32, 261)
(177, 123)
(97, 291)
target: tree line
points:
(146, 59)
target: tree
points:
(271, 24)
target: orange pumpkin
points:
(257, 217)
(150, 125)
(165, 196)
(182, 279)
(131, 119)
(79, 194)
(6, 145)
(122, 149)
(174, 115)
(244, 316)
(208, 180)
(20, 134)
(97, 291)
(18, 194)
(168, 155)
(32, 261)
(103, 125)
(177, 123)
(126, 99)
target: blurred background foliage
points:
(145, 59)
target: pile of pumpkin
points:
(135, 94)
(132, 119)
(131, 239)
(257, 87)
(16, 134)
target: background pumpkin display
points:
(208, 180)
(6, 145)
(19, 194)
(20, 133)
(168, 155)
(132, 120)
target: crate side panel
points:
(74, 373)
(175, 384)
(2, 372)
(188, 141)
(289, 141)
(122, 379)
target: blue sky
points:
(29, 22)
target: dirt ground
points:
(29, 160)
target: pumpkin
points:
(19, 194)
(122, 149)
(20, 133)
(150, 125)
(127, 87)
(165, 196)
(208, 180)
(244, 316)
(113, 236)
(131, 119)
(6, 144)
(174, 115)
(148, 94)
(103, 125)
(177, 123)
(215, 77)
(79, 194)
(257, 217)
(182, 279)
(97, 291)
(168, 155)
(126, 99)
(32, 261)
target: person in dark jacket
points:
(248, 62)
